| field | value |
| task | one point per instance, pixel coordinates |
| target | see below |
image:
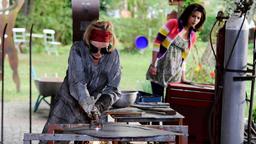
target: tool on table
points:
(125, 112)
(159, 108)
(95, 121)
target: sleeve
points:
(113, 78)
(76, 79)
(162, 34)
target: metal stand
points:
(2, 92)
(38, 101)
(250, 127)
(81, 132)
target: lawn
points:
(134, 66)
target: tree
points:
(49, 14)
(139, 23)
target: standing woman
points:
(171, 47)
(92, 77)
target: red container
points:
(195, 103)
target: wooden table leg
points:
(181, 139)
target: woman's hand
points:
(103, 103)
(152, 70)
(88, 106)
(88, 109)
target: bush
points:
(254, 115)
(49, 14)
(204, 34)
(127, 29)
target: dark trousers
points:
(157, 90)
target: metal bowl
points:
(127, 98)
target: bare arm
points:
(183, 75)
(154, 58)
(153, 69)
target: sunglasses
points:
(104, 50)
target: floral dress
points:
(169, 65)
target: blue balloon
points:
(141, 42)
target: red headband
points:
(100, 35)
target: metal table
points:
(133, 114)
(167, 133)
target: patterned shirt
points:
(167, 34)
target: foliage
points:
(254, 115)
(128, 29)
(201, 74)
(199, 69)
(137, 23)
(105, 5)
(205, 32)
(144, 86)
(188, 2)
(228, 6)
(50, 14)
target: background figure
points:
(10, 50)
(171, 47)
(92, 80)
(172, 15)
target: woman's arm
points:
(183, 76)
(163, 32)
(110, 94)
(152, 69)
(161, 36)
(77, 81)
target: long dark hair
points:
(183, 19)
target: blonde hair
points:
(100, 25)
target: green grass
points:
(43, 64)
(134, 67)
(248, 83)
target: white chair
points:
(51, 46)
(19, 37)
